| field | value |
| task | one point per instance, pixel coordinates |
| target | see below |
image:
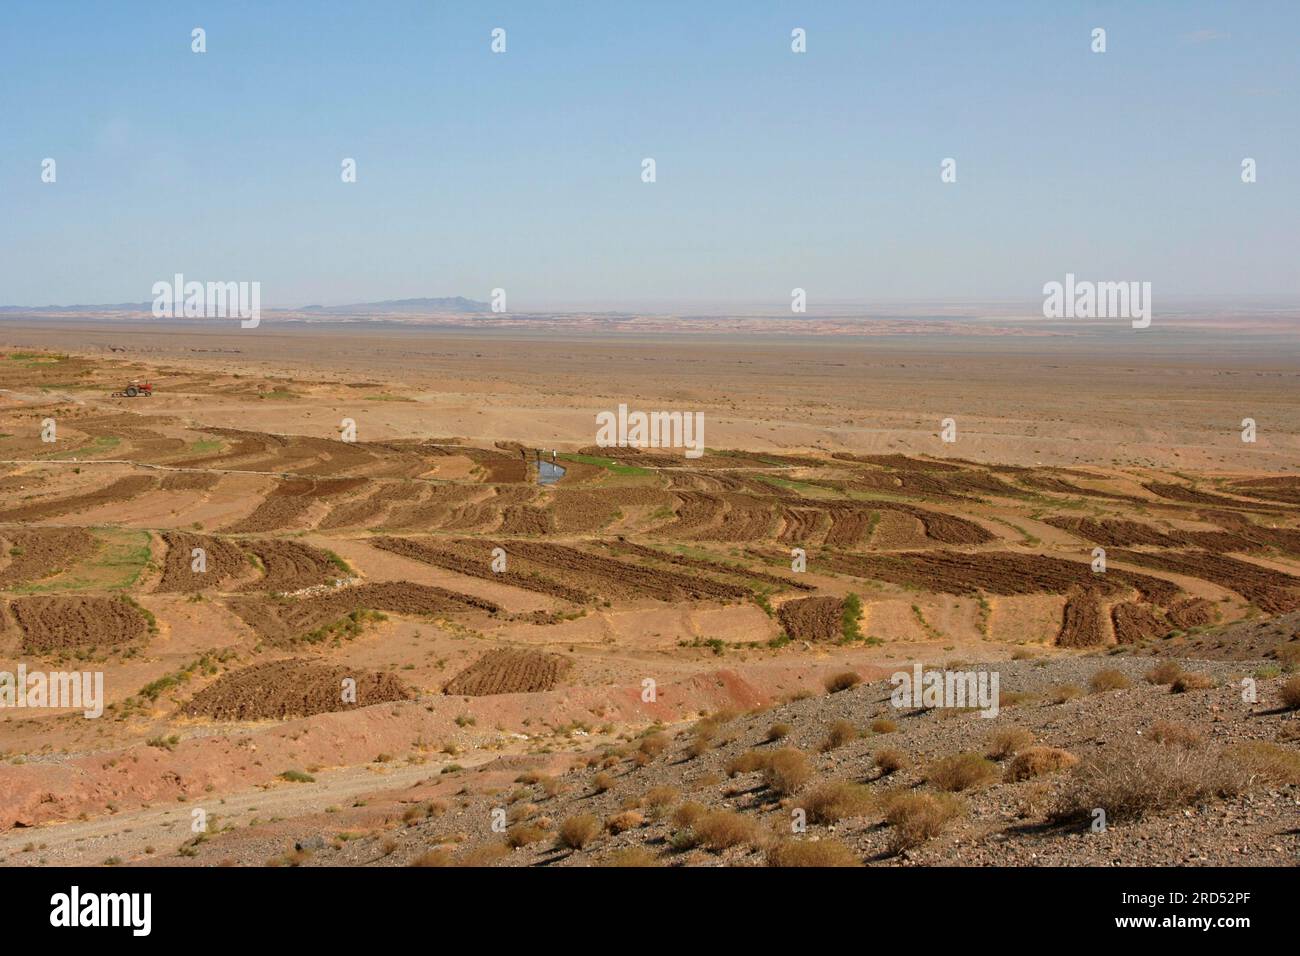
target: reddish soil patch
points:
(292, 566)
(276, 690)
(812, 618)
(1273, 591)
(285, 506)
(51, 624)
(1192, 612)
(508, 671)
(703, 564)
(190, 481)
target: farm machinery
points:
(134, 389)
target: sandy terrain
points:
(639, 593)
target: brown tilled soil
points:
(278, 690)
(291, 566)
(32, 554)
(53, 624)
(224, 561)
(508, 671)
(123, 489)
(812, 619)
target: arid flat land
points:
(369, 563)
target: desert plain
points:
(406, 643)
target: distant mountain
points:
(458, 305)
(454, 304)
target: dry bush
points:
(577, 832)
(961, 772)
(1135, 777)
(1290, 694)
(1174, 734)
(434, 857)
(659, 799)
(627, 820)
(1023, 655)
(1185, 682)
(633, 856)
(523, 834)
(698, 748)
(778, 732)
(688, 813)
(1166, 672)
(1007, 742)
(551, 786)
(750, 761)
(890, 760)
(1014, 698)
(824, 852)
(842, 681)
(1109, 678)
(520, 812)
(839, 734)
(721, 829)
(918, 816)
(602, 782)
(653, 745)
(1036, 761)
(1265, 762)
(786, 770)
(1033, 800)
(1064, 692)
(883, 725)
(486, 855)
(530, 776)
(836, 800)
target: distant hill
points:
(455, 304)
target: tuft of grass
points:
(633, 856)
(1166, 672)
(1290, 694)
(838, 734)
(576, 832)
(1173, 734)
(819, 853)
(1036, 761)
(1107, 679)
(918, 816)
(890, 760)
(1007, 742)
(778, 732)
(1185, 682)
(961, 771)
(297, 776)
(719, 830)
(883, 725)
(842, 681)
(786, 770)
(836, 800)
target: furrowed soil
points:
(634, 623)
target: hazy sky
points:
(522, 170)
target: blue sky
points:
(522, 170)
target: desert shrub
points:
(1265, 762)
(1175, 734)
(883, 725)
(961, 771)
(1133, 778)
(698, 747)
(520, 812)
(653, 745)
(1007, 742)
(1166, 672)
(836, 800)
(1014, 698)
(748, 762)
(890, 760)
(721, 829)
(1185, 682)
(1063, 692)
(777, 732)
(1109, 678)
(523, 834)
(434, 857)
(1036, 761)
(839, 734)
(661, 798)
(786, 770)
(486, 855)
(824, 852)
(688, 813)
(633, 856)
(918, 816)
(627, 820)
(602, 782)
(842, 681)
(577, 832)
(1290, 694)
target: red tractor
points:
(136, 388)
